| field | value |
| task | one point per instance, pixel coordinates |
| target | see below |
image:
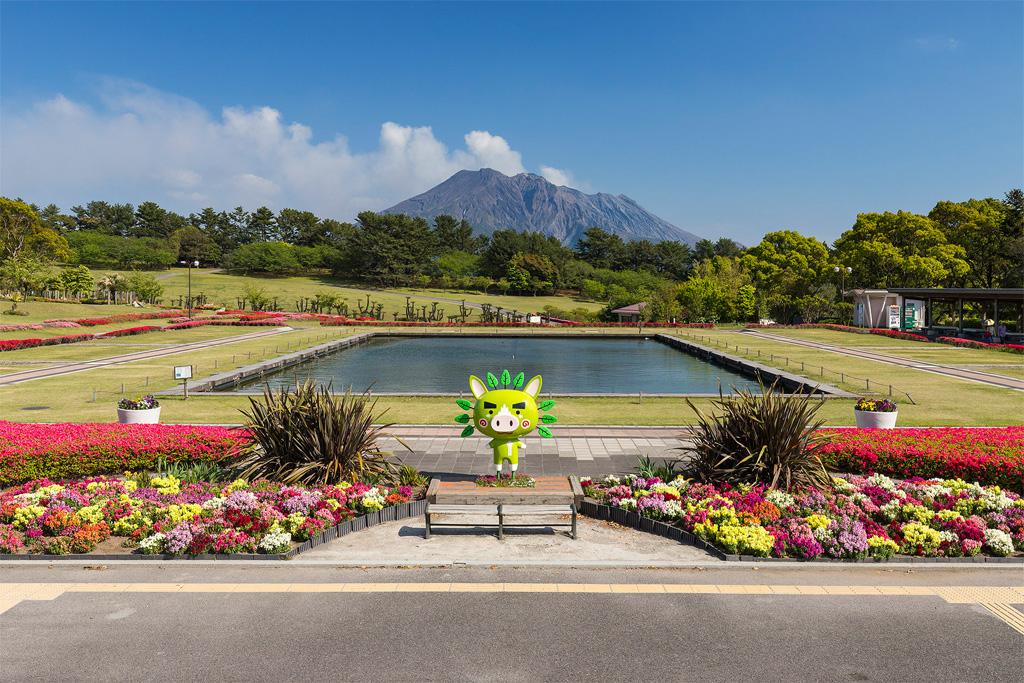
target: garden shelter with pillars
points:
(944, 311)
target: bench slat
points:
(536, 509)
(463, 509)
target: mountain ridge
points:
(490, 200)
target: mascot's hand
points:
(522, 445)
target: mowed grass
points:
(939, 400)
(226, 289)
(38, 311)
(14, 361)
(929, 352)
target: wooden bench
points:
(501, 512)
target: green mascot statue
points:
(505, 410)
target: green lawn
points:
(939, 400)
(225, 289)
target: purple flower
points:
(243, 501)
(178, 539)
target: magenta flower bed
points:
(64, 451)
(18, 344)
(972, 344)
(989, 456)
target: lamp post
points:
(190, 263)
(843, 271)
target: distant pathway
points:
(988, 378)
(79, 366)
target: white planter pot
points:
(139, 417)
(867, 419)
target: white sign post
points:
(184, 373)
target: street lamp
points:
(845, 270)
(191, 264)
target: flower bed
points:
(163, 516)
(335, 321)
(130, 331)
(972, 344)
(116, 318)
(18, 344)
(864, 517)
(990, 456)
(276, 322)
(520, 481)
(61, 451)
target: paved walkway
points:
(936, 368)
(583, 451)
(78, 366)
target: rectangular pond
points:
(570, 365)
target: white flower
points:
(882, 481)
(948, 537)
(673, 509)
(611, 480)
(891, 509)
(998, 542)
(995, 502)
(214, 503)
(780, 499)
(277, 541)
(152, 545)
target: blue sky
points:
(725, 119)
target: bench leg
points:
(574, 535)
(426, 521)
(501, 524)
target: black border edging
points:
(634, 520)
(395, 513)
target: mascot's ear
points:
(476, 386)
(533, 386)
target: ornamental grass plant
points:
(309, 436)
(767, 438)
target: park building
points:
(969, 313)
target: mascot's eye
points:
(518, 413)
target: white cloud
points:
(142, 144)
(556, 175)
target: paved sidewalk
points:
(583, 451)
(988, 378)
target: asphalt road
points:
(267, 632)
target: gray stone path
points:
(592, 451)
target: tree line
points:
(977, 243)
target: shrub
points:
(60, 451)
(765, 438)
(309, 436)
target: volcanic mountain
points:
(490, 200)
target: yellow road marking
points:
(1008, 614)
(997, 600)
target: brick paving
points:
(585, 451)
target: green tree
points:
(196, 245)
(786, 262)
(901, 249)
(273, 258)
(457, 264)
(262, 226)
(76, 280)
(24, 235)
(299, 227)
(602, 249)
(145, 286)
(390, 248)
(979, 227)
(518, 278)
(24, 273)
(456, 235)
